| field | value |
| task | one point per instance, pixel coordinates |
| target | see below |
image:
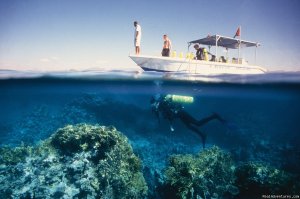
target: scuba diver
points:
(170, 108)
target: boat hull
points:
(169, 64)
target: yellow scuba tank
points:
(180, 98)
(174, 54)
(191, 55)
(181, 55)
(205, 54)
(188, 55)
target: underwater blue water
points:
(262, 111)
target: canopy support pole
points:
(255, 54)
(238, 61)
(217, 39)
(240, 41)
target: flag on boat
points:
(238, 32)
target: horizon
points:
(76, 35)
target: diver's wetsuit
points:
(171, 110)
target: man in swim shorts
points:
(137, 37)
(166, 47)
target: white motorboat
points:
(203, 67)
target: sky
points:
(84, 34)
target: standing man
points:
(137, 37)
(166, 47)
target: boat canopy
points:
(227, 42)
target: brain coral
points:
(78, 161)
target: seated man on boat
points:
(166, 47)
(201, 53)
(170, 108)
(213, 58)
(222, 59)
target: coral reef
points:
(81, 161)
(255, 179)
(84, 161)
(209, 174)
(212, 174)
(12, 156)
